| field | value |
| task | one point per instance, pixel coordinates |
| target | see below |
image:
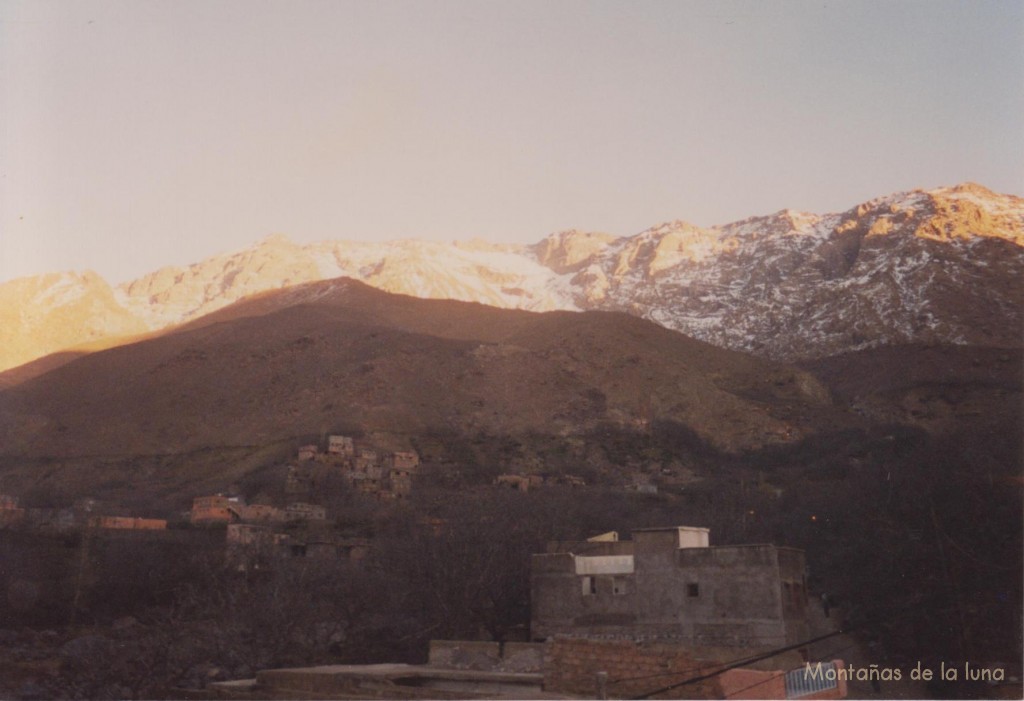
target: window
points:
(618, 586)
(589, 586)
(693, 590)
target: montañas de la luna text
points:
(874, 672)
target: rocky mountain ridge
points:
(939, 266)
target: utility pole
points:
(84, 549)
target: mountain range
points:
(944, 266)
(850, 384)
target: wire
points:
(821, 658)
(771, 653)
(734, 665)
(743, 660)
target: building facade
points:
(669, 583)
(214, 509)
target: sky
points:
(139, 134)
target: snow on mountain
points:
(942, 266)
(47, 313)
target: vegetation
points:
(916, 538)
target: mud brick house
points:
(214, 509)
(669, 583)
(10, 512)
(366, 459)
(300, 511)
(403, 460)
(128, 523)
(341, 445)
(517, 482)
(298, 480)
(386, 476)
(262, 512)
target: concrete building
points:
(669, 583)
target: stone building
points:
(669, 583)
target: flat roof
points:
(670, 528)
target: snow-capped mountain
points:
(944, 266)
(939, 266)
(47, 313)
(496, 275)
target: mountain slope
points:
(944, 266)
(336, 354)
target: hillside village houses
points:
(384, 476)
(256, 531)
(81, 514)
(524, 483)
(299, 528)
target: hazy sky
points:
(138, 134)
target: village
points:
(258, 531)
(663, 614)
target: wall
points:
(404, 460)
(211, 509)
(571, 666)
(486, 656)
(340, 445)
(754, 684)
(737, 599)
(129, 523)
